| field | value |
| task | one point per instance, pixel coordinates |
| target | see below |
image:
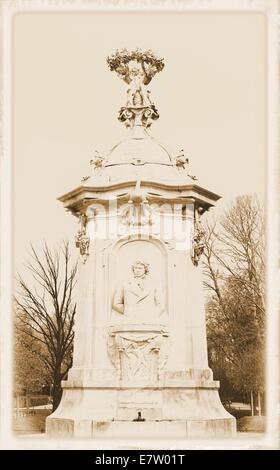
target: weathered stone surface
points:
(140, 337)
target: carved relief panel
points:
(138, 355)
(138, 332)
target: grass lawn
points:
(251, 424)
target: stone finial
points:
(136, 68)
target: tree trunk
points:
(57, 391)
(259, 404)
(263, 403)
(252, 403)
(17, 404)
(50, 392)
(27, 401)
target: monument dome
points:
(139, 155)
(139, 150)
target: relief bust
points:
(140, 298)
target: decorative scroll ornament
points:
(81, 239)
(198, 244)
(136, 68)
(138, 211)
(138, 116)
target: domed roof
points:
(139, 156)
(138, 150)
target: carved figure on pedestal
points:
(136, 68)
(136, 94)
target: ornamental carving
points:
(138, 211)
(136, 68)
(198, 244)
(180, 161)
(82, 240)
(97, 162)
(139, 357)
(135, 214)
(137, 344)
(143, 116)
(139, 64)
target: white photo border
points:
(270, 10)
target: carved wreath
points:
(119, 62)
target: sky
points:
(210, 96)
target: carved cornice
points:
(184, 193)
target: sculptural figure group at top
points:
(136, 68)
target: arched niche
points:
(123, 255)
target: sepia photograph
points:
(140, 225)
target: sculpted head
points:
(140, 268)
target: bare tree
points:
(242, 255)
(30, 373)
(234, 247)
(212, 274)
(45, 310)
(234, 270)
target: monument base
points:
(192, 428)
(179, 407)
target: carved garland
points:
(198, 244)
(82, 240)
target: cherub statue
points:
(136, 68)
(136, 94)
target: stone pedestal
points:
(125, 365)
(140, 366)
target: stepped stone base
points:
(67, 428)
(181, 408)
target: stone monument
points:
(140, 366)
